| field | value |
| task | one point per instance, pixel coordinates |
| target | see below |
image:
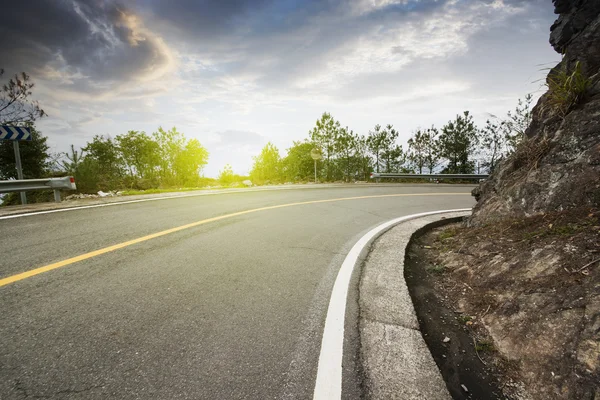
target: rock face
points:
(559, 165)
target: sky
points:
(236, 74)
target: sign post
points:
(316, 155)
(19, 169)
(16, 134)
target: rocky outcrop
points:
(558, 165)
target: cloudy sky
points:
(238, 73)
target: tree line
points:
(458, 147)
(167, 159)
(136, 160)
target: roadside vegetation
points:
(136, 162)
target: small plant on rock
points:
(530, 152)
(566, 89)
(464, 319)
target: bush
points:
(38, 196)
(228, 178)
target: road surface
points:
(217, 306)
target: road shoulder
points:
(396, 361)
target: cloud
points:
(223, 70)
(230, 138)
(85, 47)
(323, 47)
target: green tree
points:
(103, 160)
(417, 150)
(394, 159)
(180, 161)
(345, 147)
(267, 165)
(69, 162)
(17, 108)
(381, 144)
(363, 159)
(171, 144)
(298, 165)
(140, 154)
(226, 175)
(493, 142)
(432, 149)
(89, 179)
(458, 142)
(392, 155)
(324, 135)
(34, 157)
(423, 149)
(190, 163)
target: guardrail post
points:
(19, 169)
(57, 195)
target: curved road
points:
(229, 307)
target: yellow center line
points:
(36, 271)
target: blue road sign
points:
(14, 133)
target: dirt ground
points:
(512, 309)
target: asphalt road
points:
(229, 309)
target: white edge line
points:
(328, 384)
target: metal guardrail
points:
(376, 175)
(23, 185)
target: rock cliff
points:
(557, 166)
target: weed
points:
(566, 90)
(436, 268)
(463, 319)
(566, 230)
(485, 345)
(447, 234)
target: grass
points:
(566, 90)
(436, 269)
(530, 152)
(447, 234)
